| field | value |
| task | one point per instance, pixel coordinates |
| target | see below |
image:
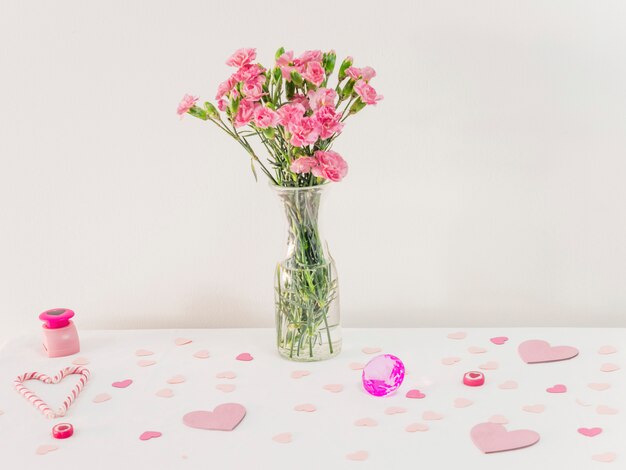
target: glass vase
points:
(306, 285)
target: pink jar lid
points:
(56, 317)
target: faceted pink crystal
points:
(383, 375)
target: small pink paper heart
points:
(181, 341)
(536, 350)
(177, 379)
(607, 457)
(370, 350)
(122, 383)
(498, 419)
(458, 335)
(356, 365)
(508, 385)
(244, 357)
(226, 375)
(415, 427)
(297, 374)
(582, 403)
(366, 422)
(491, 365)
(224, 417)
(558, 388)
(80, 361)
(534, 408)
(334, 388)
(165, 393)
(283, 438)
(590, 432)
(414, 394)
(606, 410)
(448, 361)
(43, 450)
(476, 350)
(147, 435)
(145, 363)
(102, 397)
(227, 388)
(307, 407)
(394, 410)
(202, 354)
(462, 403)
(599, 386)
(499, 340)
(358, 456)
(492, 437)
(607, 349)
(143, 352)
(431, 416)
(609, 367)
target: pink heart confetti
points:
(558, 388)
(307, 407)
(590, 432)
(491, 365)
(356, 365)
(448, 361)
(122, 383)
(370, 350)
(498, 419)
(226, 375)
(334, 388)
(202, 354)
(366, 422)
(414, 394)
(394, 410)
(224, 417)
(599, 386)
(297, 374)
(145, 363)
(80, 361)
(165, 393)
(43, 450)
(476, 350)
(227, 388)
(607, 349)
(499, 340)
(143, 352)
(102, 397)
(358, 456)
(606, 410)
(508, 385)
(607, 457)
(147, 435)
(458, 335)
(582, 403)
(462, 403)
(181, 341)
(244, 357)
(534, 408)
(536, 350)
(492, 437)
(609, 367)
(431, 416)
(283, 438)
(177, 379)
(415, 427)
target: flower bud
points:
(279, 52)
(344, 66)
(269, 132)
(211, 110)
(296, 78)
(357, 106)
(347, 90)
(198, 112)
(328, 62)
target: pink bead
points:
(383, 375)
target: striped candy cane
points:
(42, 405)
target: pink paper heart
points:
(498, 419)
(415, 427)
(448, 361)
(370, 350)
(283, 438)
(143, 352)
(147, 435)
(462, 403)
(535, 350)
(508, 385)
(607, 349)
(202, 354)
(358, 456)
(122, 383)
(491, 365)
(177, 379)
(334, 388)
(607, 457)
(244, 357)
(606, 410)
(558, 388)
(590, 432)
(181, 341)
(609, 367)
(165, 393)
(225, 387)
(599, 386)
(43, 450)
(414, 394)
(394, 410)
(476, 350)
(297, 374)
(534, 408)
(366, 422)
(224, 417)
(102, 397)
(356, 365)
(145, 363)
(307, 407)
(431, 416)
(226, 375)
(493, 437)
(457, 335)
(499, 340)
(80, 361)
(582, 403)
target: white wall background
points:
(488, 188)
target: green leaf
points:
(277, 74)
(198, 112)
(344, 66)
(357, 106)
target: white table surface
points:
(107, 434)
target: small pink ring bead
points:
(473, 378)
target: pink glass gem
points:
(383, 375)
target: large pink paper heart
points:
(590, 432)
(558, 388)
(147, 435)
(535, 350)
(122, 383)
(224, 417)
(493, 437)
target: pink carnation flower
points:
(314, 73)
(366, 73)
(367, 92)
(241, 57)
(265, 117)
(304, 132)
(290, 113)
(307, 57)
(225, 87)
(329, 121)
(222, 104)
(249, 72)
(186, 104)
(353, 72)
(303, 165)
(253, 88)
(301, 99)
(330, 166)
(322, 97)
(245, 113)
(284, 63)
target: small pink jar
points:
(60, 337)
